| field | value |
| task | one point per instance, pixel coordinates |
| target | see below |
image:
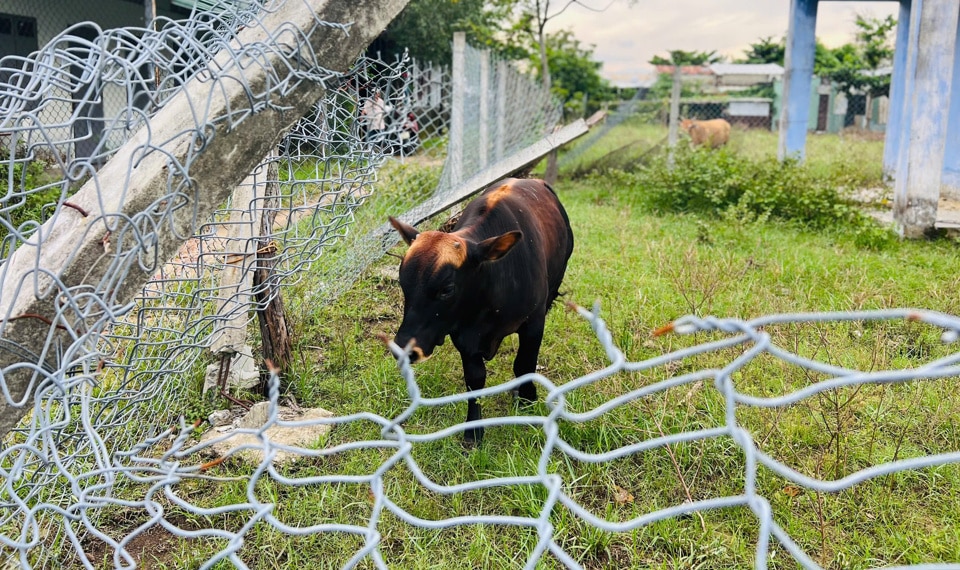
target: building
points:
(28, 25)
(831, 110)
(725, 77)
(740, 76)
(25, 25)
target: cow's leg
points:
(475, 376)
(531, 335)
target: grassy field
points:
(645, 270)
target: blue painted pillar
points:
(920, 167)
(797, 78)
(891, 144)
(950, 184)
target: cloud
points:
(627, 37)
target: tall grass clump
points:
(743, 189)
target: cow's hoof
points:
(472, 437)
(525, 397)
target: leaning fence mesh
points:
(106, 438)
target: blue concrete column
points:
(920, 168)
(797, 78)
(950, 185)
(891, 144)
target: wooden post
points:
(797, 78)
(458, 100)
(502, 70)
(484, 108)
(274, 333)
(920, 168)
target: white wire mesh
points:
(99, 440)
(66, 110)
(94, 386)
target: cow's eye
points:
(445, 293)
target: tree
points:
(426, 27)
(573, 71)
(766, 50)
(681, 57)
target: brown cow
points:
(714, 133)
(497, 273)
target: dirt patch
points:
(153, 548)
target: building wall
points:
(54, 16)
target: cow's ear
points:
(407, 232)
(496, 247)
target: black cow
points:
(495, 274)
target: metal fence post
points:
(501, 109)
(459, 77)
(484, 108)
(673, 132)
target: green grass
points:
(644, 270)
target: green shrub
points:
(24, 198)
(723, 184)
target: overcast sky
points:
(627, 37)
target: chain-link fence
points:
(103, 393)
(80, 123)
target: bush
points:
(24, 203)
(723, 184)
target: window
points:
(18, 35)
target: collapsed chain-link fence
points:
(98, 440)
(112, 380)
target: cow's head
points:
(436, 276)
(687, 124)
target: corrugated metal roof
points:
(746, 69)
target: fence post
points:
(920, 170)
(274, 334)
(230, 333)
(458, 100)
(484, 108)
(672, 133)
(501, 108)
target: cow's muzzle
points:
(416, 353)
